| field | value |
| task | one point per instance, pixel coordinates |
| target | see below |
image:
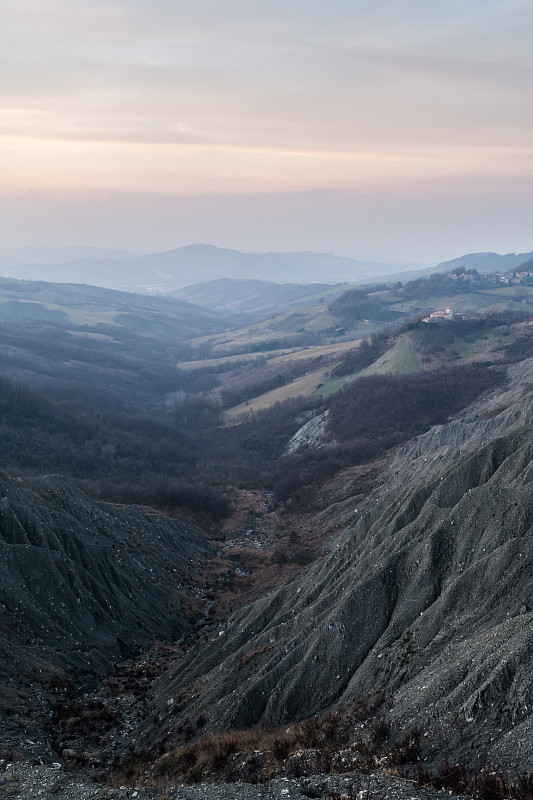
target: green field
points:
(400, 359)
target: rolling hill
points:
(256, 298)
(486, 262)
(56, 337)
(92, 308)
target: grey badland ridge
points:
(426, 596)
(83, 584)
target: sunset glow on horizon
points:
(333, 112)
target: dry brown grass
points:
(460, 778)
(211, 753)
(300, 386)
(214, 754)
(334, 742)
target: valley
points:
(304, 534)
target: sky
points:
(396, 130)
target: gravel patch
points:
(27, 782)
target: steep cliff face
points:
(426, 596)
(81, 584)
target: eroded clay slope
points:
(82, 584)
(426, 597)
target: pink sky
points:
(395, 130)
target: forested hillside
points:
(99, 393)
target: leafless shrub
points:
(424, 777)
(283, 745)
(366, 753)
(490, 786)
(522, 789)
(132, 766)
(407, 749)
(380, 731)
(366, 707)
(456, 777)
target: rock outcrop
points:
(426, 597)
(311, 435)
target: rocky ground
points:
(26, 782)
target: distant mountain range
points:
(486, 262)
(186, 265)
(166, 272)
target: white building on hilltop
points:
(436, 315)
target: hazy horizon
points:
(388, 131)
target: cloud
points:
(279, 101)
(257, 74)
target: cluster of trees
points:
(360, 357)
(380, 405)
(56, 436)
(18, 402)
(364, 303)
(435, 337)
(204, 502)
(181, 457)
(374, 414)
(101, 372)
(520, 349)
(445, 283)
(118, 417)
(235, 396)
